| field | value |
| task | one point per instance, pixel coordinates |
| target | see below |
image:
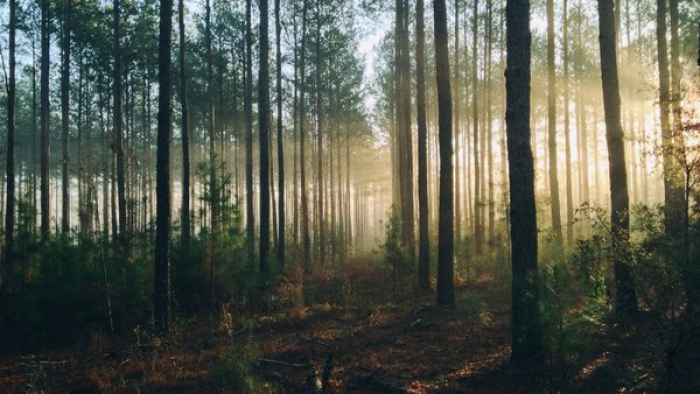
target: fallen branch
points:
(283, 363)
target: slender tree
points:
(280, 141)
(445, 274)
(552, 127)
(161, 310)
(673, 195)
(118, 122)
(264, 134)
(625, 299)
(478, 223)
(248, 115)
(567, 129)
(10, 201)
(403, 123)
(526, 327)
(424, 240)
(213, 187)
(65, 115)
(185, 131)
(45, 61)
(305, 238)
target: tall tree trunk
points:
(305, 238)
(445, 274)
(161, 310)
(10, 201)
(319, 140)
(626, 299)
(280, 140)
(424, 236)
(264, 133)
(45, 61)
(118, 123)
(552, 127)
(489, 127)
(35, 129)
(403, 123)
(567, 130)
(478, 226)
(457, 132)
(65, 117)
(248, 114)
(185, 131)
(214, 192)
(673, 199)
(526, 322)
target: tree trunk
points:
(10, 201)
(248, 109)
(567, 130)
(424, 237)
(280, 141)
(45, 61)
(478, 226)
(118, 123)
(552, 127)
(305, 239)
(457, 132)
(403, 126)
(65, 118)
(161, 312)
(626, 299)
(185, 131)
(214, 194)
(319, 140)
(526, 323)
(264, 132)
(445, 280)
(673, 193)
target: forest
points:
(350, 196)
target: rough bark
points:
(552, 127)
(424, 240)
(10, 170)
(185, 131)
(161, 310)
(625, 299)
(445, 279)
(118, 123)
(280, 140)
(45, 37)
(264, 134)
(65, 118)
(526, 326)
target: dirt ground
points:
(369, 340)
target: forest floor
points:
(379, 344)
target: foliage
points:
(396, 253)
(233, 373)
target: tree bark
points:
(673, 193)
(185, 131)
(552, 127)
(65, 118)
(526, 322)
(118, 123)
(280, 141)
(10, 201)
(161, 312)
(424, 239)
(445, 279)
(264, 134)
(248, 114)
(45, 61)
(625, 299)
